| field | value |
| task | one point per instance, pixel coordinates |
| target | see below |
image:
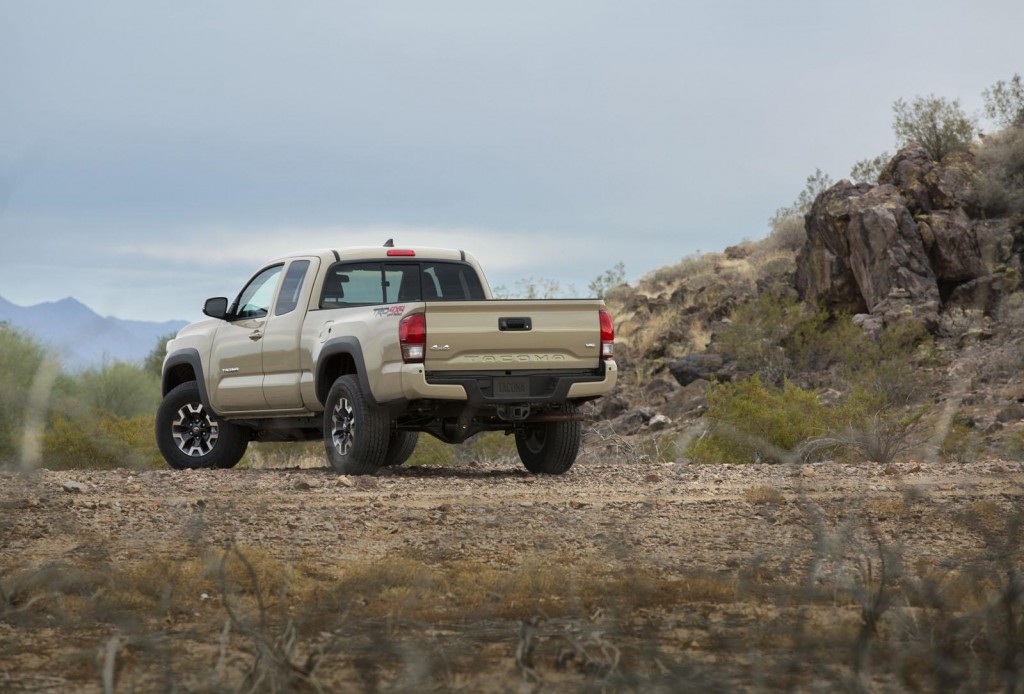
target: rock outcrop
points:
(906, 247)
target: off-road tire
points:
(550, 448)
(188, 437)
(400, 447)
(356, 433)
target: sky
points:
(153, 154)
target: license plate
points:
(511, 387)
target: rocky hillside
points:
(933, 247)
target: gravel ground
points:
(672, 520)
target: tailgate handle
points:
(515, 324)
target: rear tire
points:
(188, 437)
(356, 433)
(550, 448)
(400, 447)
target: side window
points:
(353, 284)
(254, 301)
(291, 287)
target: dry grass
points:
(884, 508)
(764, 494)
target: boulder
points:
(907, 247)
(865, 254)
(692, 367)
(928, 185)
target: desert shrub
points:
(938, 125)
(430, 451)
(751, 422)
(154, 361)
(488, 446)
(868, 170)
(788, 233)
(691, 267)
(762, 333)
(304, 454)
(1000, 161)
(120, 389)
(817, 183)
(100, 439)
(894, 366)
(880, 437)
(608, 280)
(28, 378)
(1015, 445)
(533, 288)
(961, 443)
(1004, 102)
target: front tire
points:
(188, 437)
(550, 448)
(356, 433)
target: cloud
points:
(499, 251)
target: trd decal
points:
(383, 311)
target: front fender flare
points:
(188, 356)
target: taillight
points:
(607, 335)
(401, 252)
(412, 335)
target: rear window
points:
(373, 283)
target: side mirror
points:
(216, 307)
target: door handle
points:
(255, 335)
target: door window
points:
(254, 301)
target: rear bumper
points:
(540, 386)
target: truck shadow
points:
(456, 472)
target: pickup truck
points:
(368, 347)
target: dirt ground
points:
(615, 576)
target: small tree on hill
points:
(868, 170)
(154, 361)
(788, 222)
(608, 280)
(1004, 102)
(938, 125)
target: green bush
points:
(154, 361)
(432, 452)
(751, 422)
(121, 389)
(1004, 102)
(1000, 162)
(290, 454)
(608, 280)
(28, 377)
(100, 440)
(772, 335)
(868, 170)
(938, 125)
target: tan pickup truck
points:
(368, 347)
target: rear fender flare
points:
(332, 348)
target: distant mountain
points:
(81, 336)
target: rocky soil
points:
(655, 576)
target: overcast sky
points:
(155, 153)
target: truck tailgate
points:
(513, 335)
